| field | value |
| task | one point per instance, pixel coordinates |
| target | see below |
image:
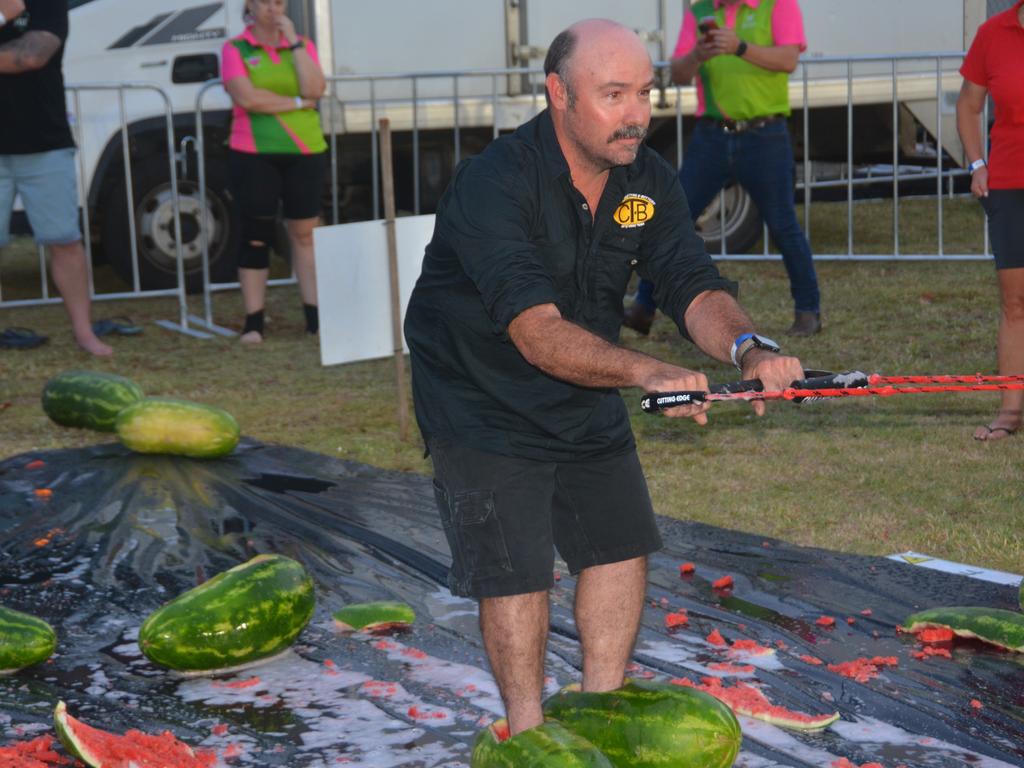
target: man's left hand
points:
(775, 372)
(723, 41)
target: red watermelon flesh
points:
(747, 700)
(37, 753)
(135, 749)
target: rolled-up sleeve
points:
(488, 224)
(675, 260)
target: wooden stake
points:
(388, 189)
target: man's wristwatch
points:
(748, 341)
(297, 44)
(979, 163)
(742, 48)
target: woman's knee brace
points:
(257, 233)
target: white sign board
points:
(354, 289)
(974, 571)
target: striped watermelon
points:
(180, 427)
(646, 724)
(992, 625)
(547, 744)
(135, 749)
(241, 616)
(88, 399)
(24, 640)
(374, 617)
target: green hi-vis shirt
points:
(294, 132)
(735, 89)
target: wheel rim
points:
(738, 206)
(155, 223)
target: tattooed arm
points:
(29, 52)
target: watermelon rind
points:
(88, 399)
(374, 616)
(647, 724)
(998, 627)
(24, 640)
(64, 724)
(179, 427)
(249, 613)
(548, 744)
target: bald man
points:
(513, 328)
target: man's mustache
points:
(629, 132)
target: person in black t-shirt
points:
(513, 328)
(9, 9)
(37, 154)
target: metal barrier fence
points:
(472, 107)
(119, 90)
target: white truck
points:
(435, 120)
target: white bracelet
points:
(298, 102)
(3, 19)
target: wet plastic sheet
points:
(93, 540)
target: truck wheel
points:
(742, 222)
(154, 226)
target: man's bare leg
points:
(71, 276)
(515, 631)
(609, 602)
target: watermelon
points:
(88, 399)
(991, 625)
(747, 700)
(181, 427)
(243, 615)
(548, 744)
(100, 749)
(647, 724)
(1021, 596)
(24, 640)
(374, 617)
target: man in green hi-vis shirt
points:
(742, 52)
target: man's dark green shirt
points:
(511, 233)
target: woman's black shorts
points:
(1005, 209)
(259, 182)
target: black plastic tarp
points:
(93, 540)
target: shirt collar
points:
(249, 37)
(751, 3)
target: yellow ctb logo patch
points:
(634, 211)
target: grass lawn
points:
(871, 475)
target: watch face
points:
(764, 342)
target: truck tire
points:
(154, 226)
(742, 222)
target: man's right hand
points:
(664, 377)
(705, 49)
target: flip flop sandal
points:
(21, 338)
(121, 326)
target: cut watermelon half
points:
(99, 749)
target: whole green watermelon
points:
(179, 427)
(549, 744)
(24, 640)
(248, 613)
(88, 399)
(647, 724)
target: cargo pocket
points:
(475, 536)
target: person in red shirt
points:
(994, 66)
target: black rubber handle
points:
(655, 402)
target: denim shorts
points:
(49, 191)
(1005, 211)
(504, 517)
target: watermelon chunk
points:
(100, 749)
(37, 753)
(747, 700)
(1004, 629)
(375, 617)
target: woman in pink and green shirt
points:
(277, 152)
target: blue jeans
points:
(761, 161)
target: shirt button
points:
(585, 208)
(632, 262)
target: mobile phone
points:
(706, 24)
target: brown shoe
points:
(639, 318)
(805, 324)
